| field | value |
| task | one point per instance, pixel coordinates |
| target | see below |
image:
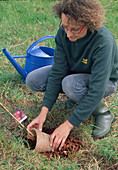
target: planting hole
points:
(29, 143)
(72, 145)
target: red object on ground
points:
(20, 115)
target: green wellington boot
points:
(103, 119)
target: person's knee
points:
(67, 87)
(30, 81)
(75, 87)
(37, 79)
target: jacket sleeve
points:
(58, 72)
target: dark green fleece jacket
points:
(95, 54)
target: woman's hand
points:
(39, 120)
(60, 135)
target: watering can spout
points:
(15, 64)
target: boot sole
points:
(106, 133)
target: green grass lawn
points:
(22, 23)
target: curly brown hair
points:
(89, 12)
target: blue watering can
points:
(37, 56)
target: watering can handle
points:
(38, 41)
